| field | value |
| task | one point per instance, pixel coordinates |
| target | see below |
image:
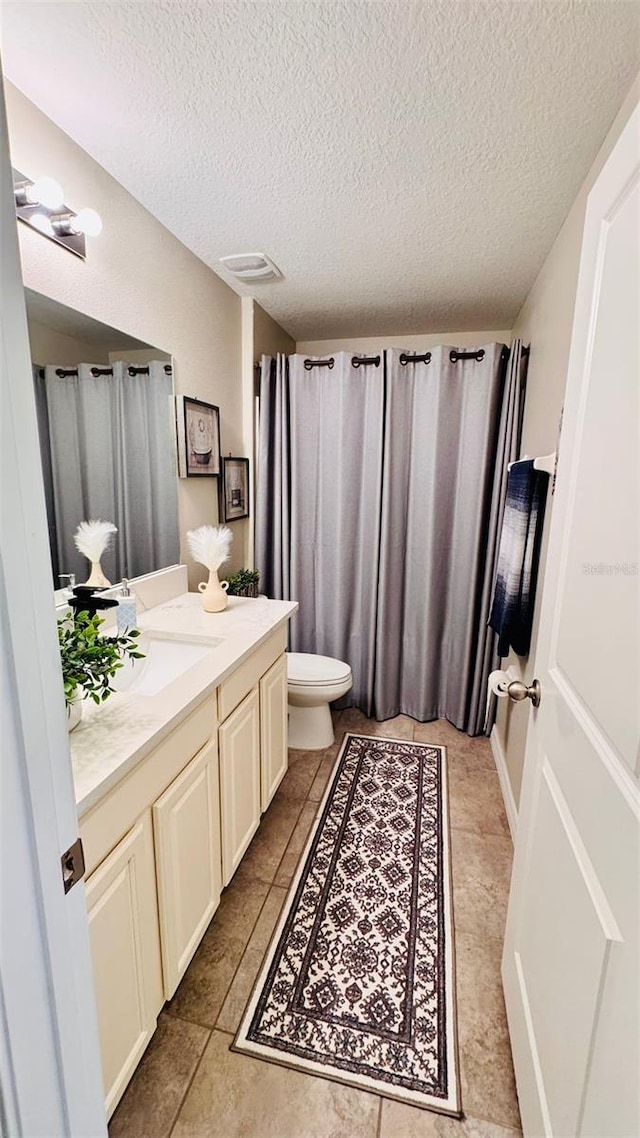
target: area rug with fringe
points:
(358, 982)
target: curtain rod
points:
(405, 358)
(64, 372)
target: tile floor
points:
(189, 1085)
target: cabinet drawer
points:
(240, 682)
(116, 813)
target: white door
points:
(50, 1081)
(571, 965)
(186, 826)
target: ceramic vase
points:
(97, 577)
(214, 593)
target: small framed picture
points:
(235, 488)
(198, 426)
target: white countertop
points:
(113, 737)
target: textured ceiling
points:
(406, 165)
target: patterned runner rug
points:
(358, 982)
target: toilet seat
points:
(304, 669)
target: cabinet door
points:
(273, 729)
(125, 949)
(239, 738)
(186, 828)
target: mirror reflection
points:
(107, 438)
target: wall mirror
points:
(107, 437)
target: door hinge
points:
(72, 865)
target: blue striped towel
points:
(518, 557)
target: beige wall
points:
(363, 345)
(48, 346)
(260, 336)
(142, 280)
(545, 321)
(268, 337)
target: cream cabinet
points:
(273, 729)
(125, 947)
(240, 800)
(186, 826)
(163, 840)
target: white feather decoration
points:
(93, 538)
(210, 545)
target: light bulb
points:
(41, 222)
(88, 222)
(47, 192)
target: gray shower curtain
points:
(394, 479)
(112, 449)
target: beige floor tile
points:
(400, 1121)
(481, 875)
(441, 733)
(152, 1100)
(265, 852)
(297, 842)
(203, 988)
(475, 801)
(400, 727)
(235, 1096)
(488, 1087)
(244, 979)
(303, 766)
(324, 774)
(488, 1083)
(240, 990)
(268, 919)
(240, 904)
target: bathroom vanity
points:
(172, 776)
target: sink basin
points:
(165, 661)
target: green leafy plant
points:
(90, 661)
(244, 583)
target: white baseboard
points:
(505, 783)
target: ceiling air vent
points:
(251, 267)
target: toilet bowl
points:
(313, 683)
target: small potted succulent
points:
(90, 661)
(244, 583)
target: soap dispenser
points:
(127, 611)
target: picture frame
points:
(198, 430)
(235, 488)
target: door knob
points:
(518, 690)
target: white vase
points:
(97, 577)
(74, 713)
(214, 593)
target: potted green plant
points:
(90, 661)
(244, 583)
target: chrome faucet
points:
(71, 578)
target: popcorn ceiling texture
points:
(407, 165)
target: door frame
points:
(50, 1069)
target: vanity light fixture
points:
(40, 205)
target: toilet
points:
(313, 683)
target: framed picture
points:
(198, 426)
(235, 488)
